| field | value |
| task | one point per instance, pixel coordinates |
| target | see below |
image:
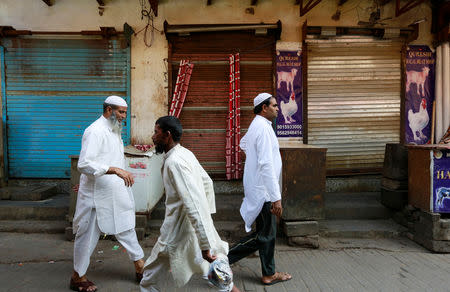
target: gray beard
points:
(115, 124)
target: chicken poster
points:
(289, 94)
(420, 64)
(441, 181)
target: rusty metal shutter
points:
(55, 88)
(206, 106)
(353, 100)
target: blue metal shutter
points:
(55, 88)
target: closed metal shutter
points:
(55, 88)
(205, 109)
(353, 100)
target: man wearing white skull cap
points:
(262, 200)
(105, 201)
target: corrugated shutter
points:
(206, 106)
(54, 89)
(353, 100)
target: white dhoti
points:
(153, 274)
(86, 240)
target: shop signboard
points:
(289, 94)
(419, 94)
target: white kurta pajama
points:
(104, 203)
(262, 169)
(188, 227)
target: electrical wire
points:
(148, 14)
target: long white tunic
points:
(188, 227)
(101, 148)
(262, 169)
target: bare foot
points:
(235, 289)
(276, 278)
(139, 267)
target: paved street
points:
(43, 262)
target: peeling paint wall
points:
(148, 74)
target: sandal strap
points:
(90, 283)
(82, 284)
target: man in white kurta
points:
(105, 201)
(188, 239)
(262, 200)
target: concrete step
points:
(356, 183)
(230, 231)
(28, 193)
(361, 228)
(33, 226)
(227, 208)
(365, 205)
(53, 208)
(353, 196)
(234, 187)
(62, 185)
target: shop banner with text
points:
(289, 94)
(420, 69)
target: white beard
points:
(115, 124)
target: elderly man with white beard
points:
(105, 201)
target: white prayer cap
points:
(260, 98)
(116, 100)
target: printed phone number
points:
(288, 127)
(286, 133)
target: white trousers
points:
(86, 242)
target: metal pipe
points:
(438, 95)
(219, 28)
(446, 85)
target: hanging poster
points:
(441, 181)
(419, 81)
(289, 94)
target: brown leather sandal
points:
(279, 277)
(84, 285)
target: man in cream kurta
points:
(262, 201)
(188, 239)
(105, 202)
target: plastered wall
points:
(149, 67)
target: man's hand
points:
(276, 208)
(75, 188)
(208, 257)
(123, 174)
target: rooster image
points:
(418, 121)
(288, 109)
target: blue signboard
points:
(441, 181)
